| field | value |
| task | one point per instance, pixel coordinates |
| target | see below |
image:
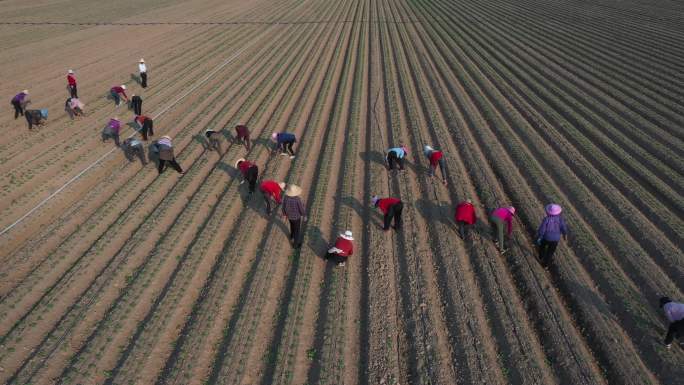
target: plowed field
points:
(113, 274)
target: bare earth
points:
(127, 277)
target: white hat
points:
(347, 235)
(375, 199)
(237, 162)
(142, 60)
(293, 190)
(24, 92)
(123, 86)
(282, 185)
(70, 71)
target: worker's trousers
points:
(116, 97)
(393, 158)
(295, 232)
(336, 257)
(251, 177)
(18, 109)
(143, 79)
(287, 146)
(245, 140)
(463, 228)
(147, 128)
(267, 199)
(137, 107)
(73, 91)
(433, 168)
(394, 211)
(676, 330)
(172, 163)
(136, 151)
(546, 250)
(498, 230)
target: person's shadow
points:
(136, 78)
(374, 157)
(354, 204)
(202, 139)
(315, 240)
(428, 208)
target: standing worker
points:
(71, 84)
(396, 155)
(166, 155)
(272, 191)
(146, 124)
(435, 158)
(465, 217)
(295, 212)
(117, 92)
(142, 69)
(342, 250)
(243, 135)
(674, 311)
(549, 233)
(133, 147)
(391, 208)
(136, 104)
(250, 173)
(19, 102)
(112, 130)
(499, 217)
(284, 141)
(214, 139)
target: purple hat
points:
(553, 209)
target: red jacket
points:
(269, 187)
(244, 166)
(435, 157)
(242, 131)
(345, 245)
(465, 212)
(141, 119)
(385, 203)
(120, 90)
(71, 79)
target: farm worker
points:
(142, 69)
(391, 208)
(549, 233)
(20, 101)
(271, 191)
(166, 155)
(71, 84)
(213, 137)
(250, 173)
(284, 142)
(136, 104)
(295, 212)
(343, 248)
(465, 216)
(396, 155)
(36, 117)
(73, 107)
(435, 158)
(117, 92)
(674, 312)
(499, 217)
(146, 124)
(243, 135)
(133, 147)
(112, 130)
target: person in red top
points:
(243, 135)
(117, 92)
(71, 84)
(436, 158)
(272, 191)
(250, 173)
(465, 217)
(391, 208)
(342, 250)
(499, 217)
(146, 124)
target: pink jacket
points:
(506, 216)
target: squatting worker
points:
(500, 216)
(674, 312)
(549, 233)
(396, 155)
(391, 208)
(435, 158)
(214, 139)
(284, 142)
(142, 69)
(272, 191)
(465, 217)
(74, 107)
(294, 210)
(136, 104)
(71, 84)
(117, 93)
(343, 248)
(146, 125)
(19, 102)
(166, 155)
(112, 130)
(250, 173)
(243, 135)
(133, 147)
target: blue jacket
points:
(551, 228)
(285, 137)
(397, 150)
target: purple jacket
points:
(18, 97)
(551, 228)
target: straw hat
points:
(282, 185)
(274, 136)
(347, 235)
(142, 60)
(123, 86)
(375, 199)
(25, 92)
(511, 209)
(293, 190)
(553, 209)
(237, 162)
(165, 137)
(70, 71)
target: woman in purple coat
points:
(550, 231)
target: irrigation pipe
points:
(164, 110)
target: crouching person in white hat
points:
(343, 248)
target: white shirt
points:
(142, 67)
